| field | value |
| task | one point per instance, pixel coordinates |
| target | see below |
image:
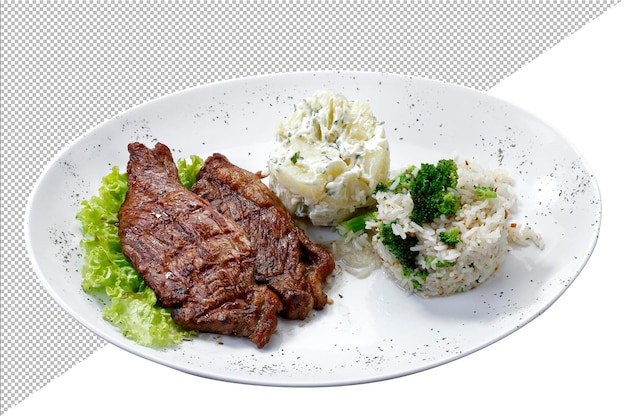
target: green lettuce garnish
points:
(187, 172)
(129, 303)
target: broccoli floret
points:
(401, 182)
(450, 237)
(355, 224)
(484, 192)
(416, 284)
(422, 274)
(400, 248)
(443, 263)
(380, 187)
(431, 194)
(438, 263)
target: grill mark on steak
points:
(197, 261)
(287, 261)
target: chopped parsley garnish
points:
(295, 157)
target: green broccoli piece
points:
(450, 237)
(403, 181)
(484, 192)
(431, 194)
(355, 224)
(416, 284)
(400, 248)
(380, 187)
(439, 263)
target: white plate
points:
(373, 330)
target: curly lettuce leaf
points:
(132, 306)
(187, 172)
(141, 319)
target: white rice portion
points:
(484, 227)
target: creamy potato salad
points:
(329, 155)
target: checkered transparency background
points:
(67, 67)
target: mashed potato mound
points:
(329, 155)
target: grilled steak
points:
(287, 261)
(197, 260)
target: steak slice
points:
(197, 261)
(287, 261)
